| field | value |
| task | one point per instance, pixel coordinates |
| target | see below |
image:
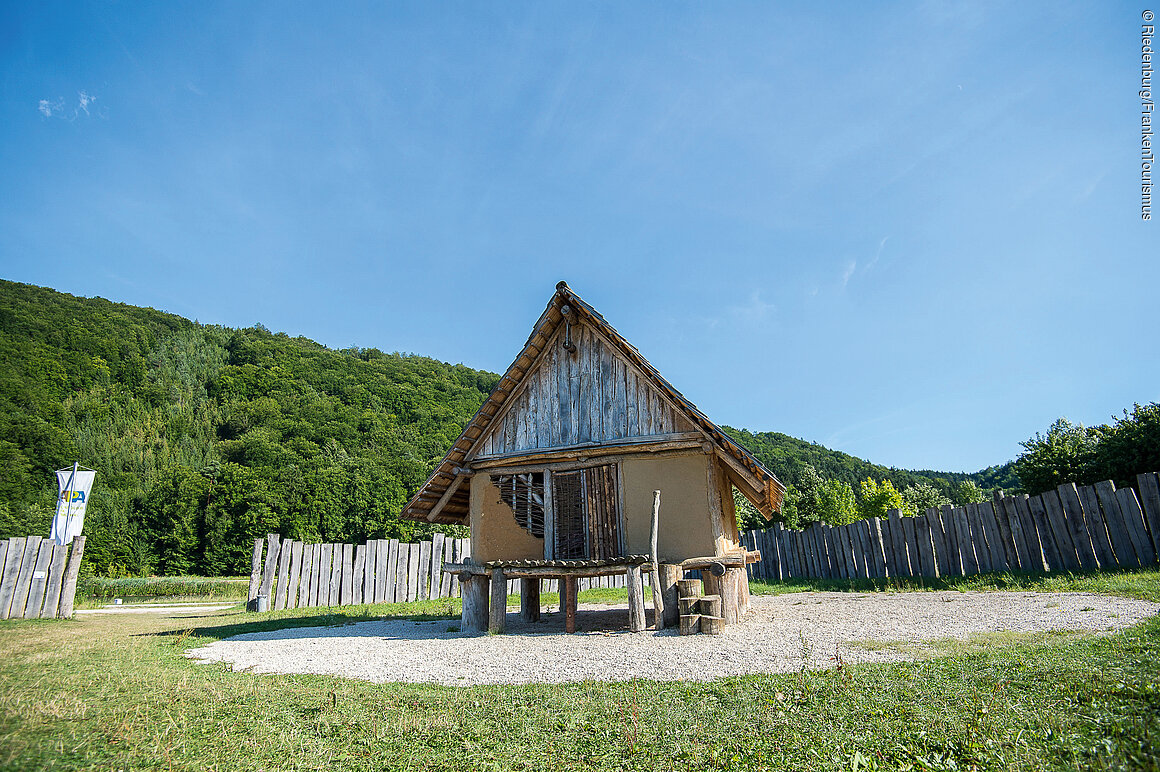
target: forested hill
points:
(204, 437)
(788, 456)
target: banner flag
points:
(75, 486)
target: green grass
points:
(167, 587)
(116, 692)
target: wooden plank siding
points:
(1068, 529)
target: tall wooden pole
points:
(657, 592)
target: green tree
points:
(1067, 453)
(968, 492)
(836, 503)
(876, 499)
(922, 496)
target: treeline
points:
(205, 437)
(1068, 452)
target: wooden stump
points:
(670, 574)
(711, 618)
(690, 624)
(689, 588)
(474, 591)
(530, 599)
(687, 605)
(497, 615)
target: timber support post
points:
(530, 599)
(636, 618)
(497, 615)
(474, 590)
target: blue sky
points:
(909, 231)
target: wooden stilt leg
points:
(530, 599)
(569, 582)
(636, 620)
(498, 609)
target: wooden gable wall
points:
(591, 396)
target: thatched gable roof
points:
(446, 496)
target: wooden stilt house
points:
(556, 475)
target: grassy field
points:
(116, 692)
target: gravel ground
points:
(780, 634)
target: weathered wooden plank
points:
(954, 561)
(1010, 517)
(55, 581)
(965, 544)
(1102, 538)
(255, 570)
(996, 556)
(12, 561)
(938, 545)
(273, 547)
(1035, 553)
(1118, 531)
(1051, 554)
(369, 569)
(854, 556)
(391, 581)
(877, 547)
(71, 571)
(980, 553)
(402, 562)
(1006, 539)
(817, 551)
(358, 574)
(862, 534)
(347, 585)
(322, 574)
(305, 576)
(413, 553)
(898, 541)
(436, 563)
(1077, 528)
(295, 575)
(278, 602)
(1132, 517)
(423, 575)
(334, 590)
(314, 595)
(378, 572)
(833, 546)
(24, 580)
(39, 580)
(445, 577)
(923, 538)
(1133, 513)
(910, 535)
(1150, 501)
(1060, 533)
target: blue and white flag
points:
(75, 486)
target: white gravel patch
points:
(780, 634)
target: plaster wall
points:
(495, 534)
(685, 529)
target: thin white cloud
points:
(848, 271)
(874, 261)
(54, 108)
(49, 108)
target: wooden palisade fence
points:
(1068, 529)
(38, 578)
(294, 574)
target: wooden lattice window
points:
(524, 493)
(586, 510)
